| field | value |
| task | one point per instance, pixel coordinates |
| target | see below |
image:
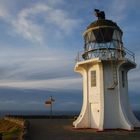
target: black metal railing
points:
(106, 53)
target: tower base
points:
(105, 95)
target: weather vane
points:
(99, 14)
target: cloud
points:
(35, 22)
(8, 102)
(117, 8)
(58, 83)
(40, 21)
(61, 19)
(34, 103)
(28, 29)
(122, 11)
(34, 68)
(4, 9)
(43, 68)
(35, 65)
(3, 12)
(55, 2)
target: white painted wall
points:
(111, 108)
(103, 108)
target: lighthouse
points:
(104, 65)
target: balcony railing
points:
(106, 53)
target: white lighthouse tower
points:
(104, 67)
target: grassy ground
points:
(9, 130)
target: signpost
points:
(49, 103)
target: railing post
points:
(78, 57)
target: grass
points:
(9, 130)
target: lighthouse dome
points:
(103, 23)
(102, 31)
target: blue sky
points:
(39, 41)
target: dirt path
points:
(61, 129)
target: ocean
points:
(42, 113)
(137, 114)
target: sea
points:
(35, 113)
(47, 113)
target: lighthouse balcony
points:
(106, 54)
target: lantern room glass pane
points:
(103, 35)
(117, 35)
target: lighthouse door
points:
(94, 115)
(94, 98)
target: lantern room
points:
(103, 38)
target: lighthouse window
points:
(93, 78)
(123, 79)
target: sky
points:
(39, 41)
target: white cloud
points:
(59, 83)
(24, 21)
(54, 21)
(119, 10)
(55, 2)
(8, 102)
(3, 12)
(4, 9)
(37, 68)
(34, 103)
(61, 19)
(35, 63)
(28, 29)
